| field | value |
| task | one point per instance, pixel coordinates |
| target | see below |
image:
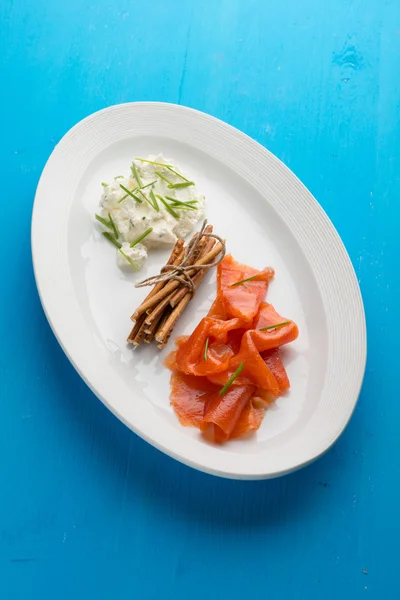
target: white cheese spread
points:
(157, 202)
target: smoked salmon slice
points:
(188, 397)
(243, 300)
(229, 370)
(224, 412)
(190, 356)
(272, 338)
(272, 359)
(249, 421)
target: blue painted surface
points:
(88, 510)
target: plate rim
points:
(338, 246)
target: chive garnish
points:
(141, 237)
(242, 281)
(119, 177)
(112, 239)
(188, 203)
(134, 195)
(154, 200)
(103, 221)
(178, 186)
(104, 184)
(176, 173)
(170, 168)
(179, 207)
(145, 197)
(163, 177)
(130, 261)
(115, 230)
(274, 326)
(205, 350)
(129, 193)
(160, 164)
(183, 206)
(136, 175)
(231, 379)
(148, 184)
(169, 208)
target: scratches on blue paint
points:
(22, 560)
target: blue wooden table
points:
(87, 509)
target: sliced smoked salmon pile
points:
(230, 369)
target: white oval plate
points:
(268, 218)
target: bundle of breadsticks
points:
(174, 287)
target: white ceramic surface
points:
(268, 218)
